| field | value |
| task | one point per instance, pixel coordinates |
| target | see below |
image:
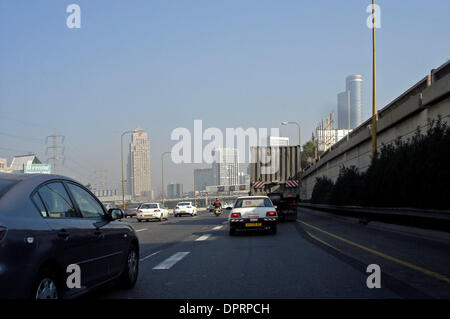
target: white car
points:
(253, 213)
(185, 208)
(148, 211)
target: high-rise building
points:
(139, 165)
(174, 190)
(354, 87)
(203, 178)
(226, 166)
(350, 103)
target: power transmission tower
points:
(56, 150)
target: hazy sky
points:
(163, 64)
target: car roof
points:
(32, 177)
(149, 203)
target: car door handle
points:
(63, 234)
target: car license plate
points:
(253, 224)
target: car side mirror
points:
(114, 214)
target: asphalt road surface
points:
(317, 256)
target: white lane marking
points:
(172, 260)
(217, 227)
(204, 237)
(138, 230)
(142, 259)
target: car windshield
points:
(253, 202)
(5, 185)
(149, 206)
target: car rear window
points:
(184, 204)
(253, 202)
(149, 206)
(5, 185)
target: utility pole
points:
(195, 197)
(374, 86)
(162, 176)
(55, 149)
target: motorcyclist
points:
(217, 204)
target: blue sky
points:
(162, 64)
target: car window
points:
(149, 206)
(57, 201)
(89, 206)
(40, 205)
(253, 202)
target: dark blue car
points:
(54, 233)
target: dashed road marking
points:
(142, 259)
(204, 237)
(138, 230)
(172, 260)
(217, 227)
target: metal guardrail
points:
(421, 218)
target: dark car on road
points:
(131, 210)
(50, 224)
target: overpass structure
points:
(426, 100)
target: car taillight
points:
(235, 215)
(177, 207)
(189, 207)
(157, 210)
(139, 211)
(2, 232)
(271, 214)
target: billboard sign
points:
(37, 168)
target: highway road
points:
(317, 256)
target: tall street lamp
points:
(162, 175)
(121, 158)
(374, 86)
(299, 143)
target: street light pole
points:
(195, 197)
(162, 176)
(121, 158)
(374, 86)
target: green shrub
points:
(408, 173)
(322, 190)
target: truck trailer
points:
(276, 173)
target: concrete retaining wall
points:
(425, 101)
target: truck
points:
(276, 173)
